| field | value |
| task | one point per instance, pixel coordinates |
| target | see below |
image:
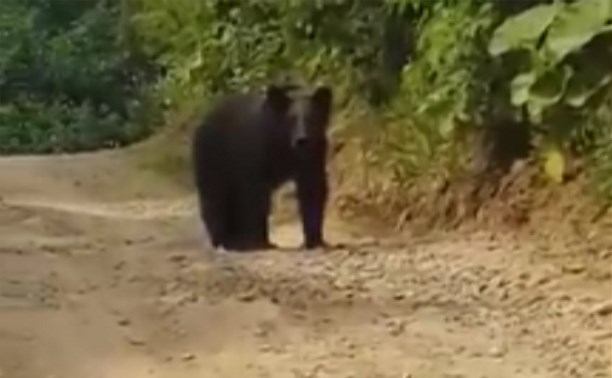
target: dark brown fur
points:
(250, 144)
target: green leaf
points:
(522, 30)
(548, 90)
(586, 82)
(554, 164)
(575, 25)
(520, 86)
(535, 110)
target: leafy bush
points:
(57, 127)
(559, 55)
(213, 47)
(439, 90)
(66, 81)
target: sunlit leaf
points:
(548, 90)
(520, 86)
(522, 30)
(585, 82)
(576, 24)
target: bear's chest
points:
(280, 165)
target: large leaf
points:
(575, 25)
(520, 86)
(522, 30)
(586, 81)
(548, 90)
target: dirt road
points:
(103, 273)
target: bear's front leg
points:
(312, 190)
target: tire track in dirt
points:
(133, 210)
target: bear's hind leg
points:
(234, 235)
(253, 205)
(215, 221)
(216, 214)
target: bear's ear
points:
(322, 99)
(277, 98)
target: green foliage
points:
(524, 30)
(600, 157)
(66, 81)
(602, 170)
(439, 89)
(563, 60)
(214, 47)
(39, 128)
(210, 47)
(550, 59)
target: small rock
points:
(482, 288)
(192, 297)
(188, 356)
(524, 275)
(399, 296)
(170, 287)
(177, 258)
(504, 294)
(574, 269)
(498, 281)
(248, 296)
(602, 309)
(349, 294)
(396, 327)
(134, 279)
(124, 322)
(299, 314)
(135, 340)
(525, 331)
(543, 280)
(351, 346)
(260, 332)
(496, 352)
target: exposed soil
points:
(105, 272)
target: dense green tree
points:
(67, 82)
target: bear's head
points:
(304, 114)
